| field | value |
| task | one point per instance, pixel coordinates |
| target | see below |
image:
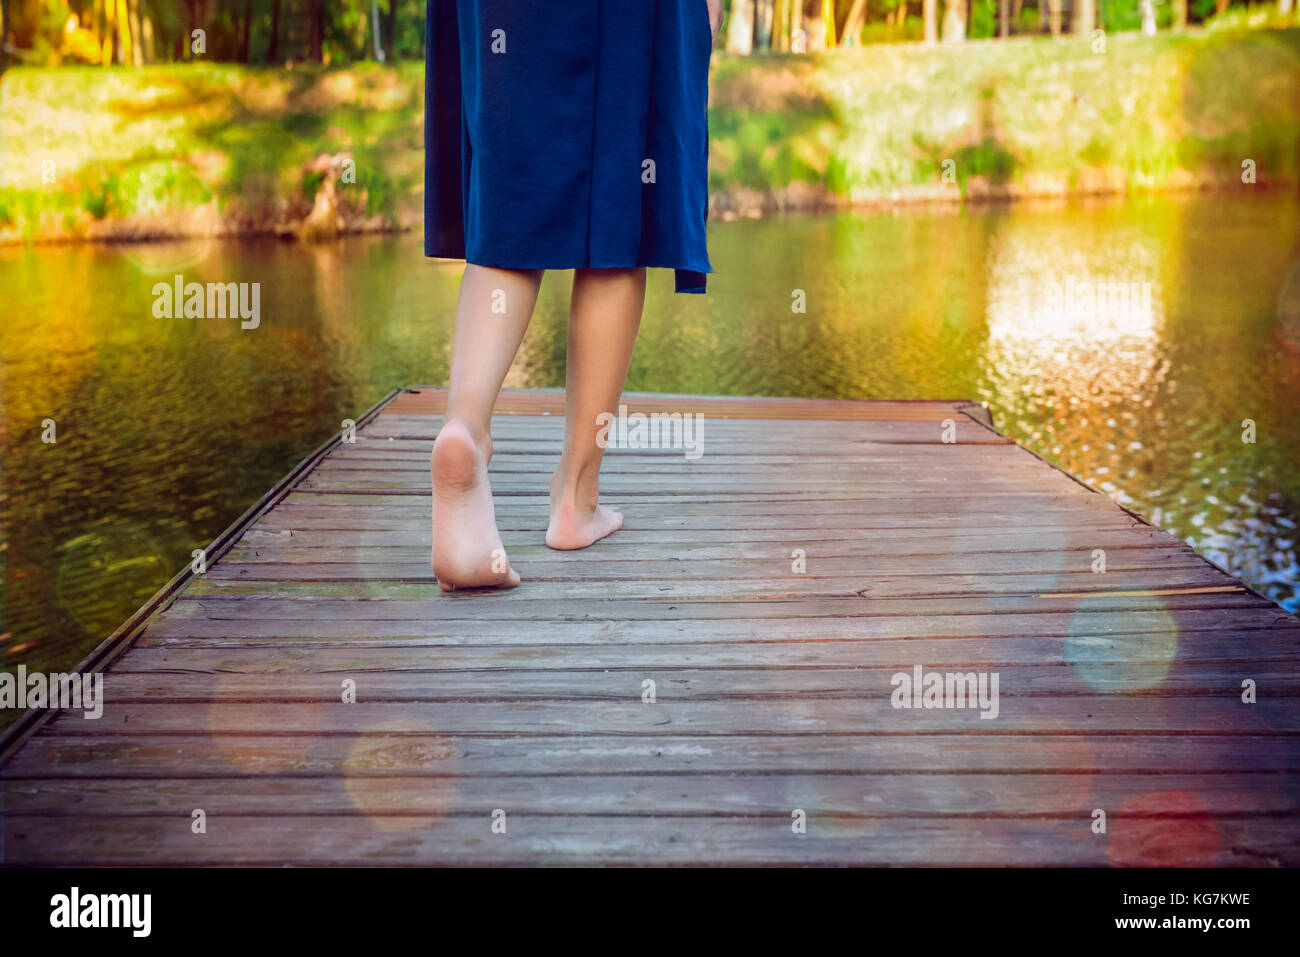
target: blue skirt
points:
(568, 133)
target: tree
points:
(740, 32)
(954, 21)
(273, 51)
(929, 11)
(316, 31)
(1148, 8)
(763, 24)
(855, 21)
(245, 25)
(1084, 17)
(132, 20)
(392, 29)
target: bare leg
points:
(467, 550)
(604, 315)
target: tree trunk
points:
(4, 35)
(110, 33)
(246, 33)
(273, 50)
(316, 31)
(796, 26)
(855, 21)
(1083, 18)
(1148, 8)
(763, 10)
(740, 32)
(1054, 16)
(392, 29)
(929, 13)
(1220, 7)
(133, 21)
(124, 33)
(1004, 18)
(192, 7)
(954, 21)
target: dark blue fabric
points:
(535, 157)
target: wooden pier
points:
(714, 684)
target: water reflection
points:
(168, 429)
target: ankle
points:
(478, 433)
(579, 493)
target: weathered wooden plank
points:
(541, 402)
(869, 614)
(977, 511)
(675, 682)
(542, 451)
(1120, 689)
(1120, 545)
(874, 584)
(1051, 748)
(995, 462)
(870, 471)
(1089, 714)
(725, 543)
(1209, 634)
(629, 839)
(380, 566)
(870, 796)
(480, 650)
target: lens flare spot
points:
(380, 754)
(1137, 658)
(1163, 829)
(283, 733)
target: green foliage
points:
(97, 199)
(236, 31)
(156, 185)
(860, 122)
(983, 19)
(1025, 114)
(311, 183)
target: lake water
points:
(168, 429)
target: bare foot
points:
(574, 526)
(467, 550)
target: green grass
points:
(148, 143)
(1030, 114)
(872, 122)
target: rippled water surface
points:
(168, 429)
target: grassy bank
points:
(211, 149)
(1021, 118)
